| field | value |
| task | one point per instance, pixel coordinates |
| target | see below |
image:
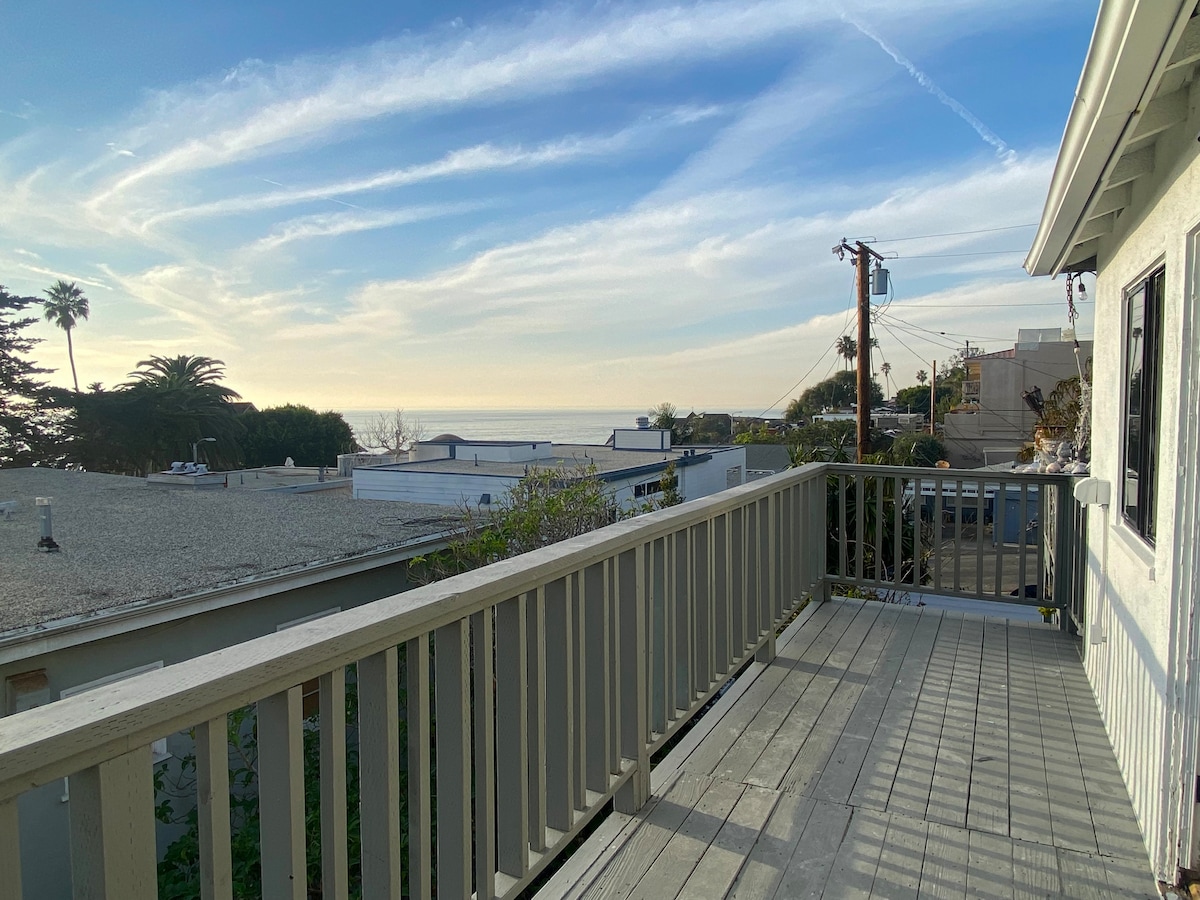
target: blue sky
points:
(468, 204)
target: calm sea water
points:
(563, 426)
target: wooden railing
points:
(534, 692)
(984, 535)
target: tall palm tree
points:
(886, 369)
(65, 305)
(922, 376)
(847, 348)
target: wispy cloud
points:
(988, 136)
(335, 224)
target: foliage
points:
(175, 788)
(922, 376)
(152, 420)
(29, 422)
(65, 305)
(310, 438)
(544, 507)
(847, 348)
(915, 448)
(668, 485)
(390, 431)
(838, 391)
(761, 435)
(916, 398)
(662, 416)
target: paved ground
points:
(888, 752)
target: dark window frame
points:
(1142, 402)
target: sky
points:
(494, 205)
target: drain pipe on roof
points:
(46, 544)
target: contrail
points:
(1002, 149)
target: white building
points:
(1124, 203)
(451, 471)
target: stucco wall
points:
(1137, 672)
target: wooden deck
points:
(887, 752)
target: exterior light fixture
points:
(207, 440)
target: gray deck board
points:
(887, 752)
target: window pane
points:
(1143, 377)
(1135, 327)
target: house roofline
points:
(1128, 53)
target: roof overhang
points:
(1132, 88)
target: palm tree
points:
(886, 369)
(847, 348)
(65, 305)
(922, 376)
(189, 403)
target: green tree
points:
(837, 391)
(29, 422)
(65, 305)
(922, 376)
(915, 448)
(310, 438)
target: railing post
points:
(112, 830)
(1064, 550)
(379, 773)
(335, 862)
(635, 707)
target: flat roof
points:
(124, 541)
(608, 462)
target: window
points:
(647, 488)
(1143, 390)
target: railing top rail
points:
(935, 474)
(50, 742)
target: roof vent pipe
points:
(47, 543)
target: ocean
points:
(563, 426)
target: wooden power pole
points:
(862, 256)
(862, 262)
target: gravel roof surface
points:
(124, 541)
(566, 456)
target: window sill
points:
(1135, 546)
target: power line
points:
(921, 237)
(948, 255)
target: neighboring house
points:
(993, 423)
(1124, 203)
(451, 471)
(149, 576)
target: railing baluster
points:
(452, 701)
(612, 664)
(334, 855)
(1022, 539)
(579, 723)
(880, 573)
(721, 601)
(379, 773)
(112, 830)
(420, 808)
(485, 755)
(860, 525)
(843, 570)
(751, 573)
(633, 711)
(737, 581)
(702, 601)
(898, 532)
(1045, 536)
(281, 796)
(512, 747)
(958, 528)
(536, 618)
(980, 529)
(998, 522)
(917, 524)
(212, 809)
(659, 667)
(595, 675)
(10, 851)
(938, 534)
(560, 712)
(682, 603)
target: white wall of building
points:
(438, 488)
(726, 469)
(1141, 596)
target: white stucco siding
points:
(441, 489)
(1138, 671)
(714, 475)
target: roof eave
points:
(1126, 55)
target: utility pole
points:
(862, 255)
